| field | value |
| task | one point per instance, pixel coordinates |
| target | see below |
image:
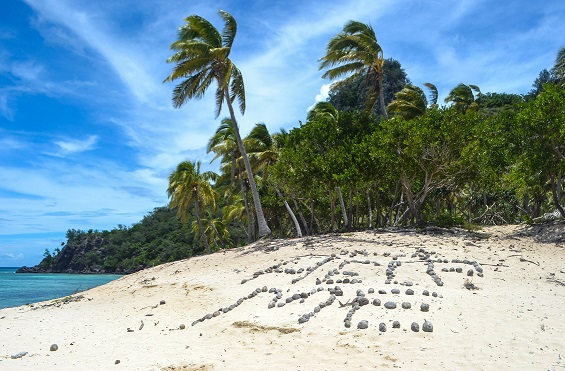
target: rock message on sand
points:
(353, 283)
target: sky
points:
(88, 134)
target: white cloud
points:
(322, 96)
(13, 256)
(71, 146)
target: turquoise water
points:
(22, 288)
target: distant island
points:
(158, 238)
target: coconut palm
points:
(202, 57)
(464, 97)
(411, 101)
(189, 188)
(355, 52)
(224, 144)
(263, 152)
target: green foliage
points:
(158, 238)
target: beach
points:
(491, 299)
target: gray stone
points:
(296, 296)
(424, 307)
(434, 294)
(347, 323)
(182, 327)
(363, 324)
(363, 301)
(371, 290)
(409, 292)
(470, 273)
(396, 324)
(280, 304)
(427, 326)
(303, 295)
(264, 289)
(395, 291)
(459, 270)
(382, 292)
(390, 305)
(377, 302)
(415, 327)
(54, 347)
(382, 327)
(406, 305)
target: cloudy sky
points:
(88, 134)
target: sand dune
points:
(221, 311)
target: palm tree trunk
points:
(369, 208)
(342, 204)
(555, 195)
(249, 217)
(292, 216)
(200, 226)
(301, 215)
(381, 95)
(264, 229)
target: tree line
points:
(380, 152)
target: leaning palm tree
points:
(202, 57)
(412, 102)
(355, 52)
(189, 188)
(464, 97)
(263, 153)
(224, 144)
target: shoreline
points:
(215, 312)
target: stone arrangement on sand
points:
(337, 281)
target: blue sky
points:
(88, 134)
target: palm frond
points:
(433, 93)
(237, 88)
(199, 28)
(229, 30)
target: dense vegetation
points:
(380, 152)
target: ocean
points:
(23, 288)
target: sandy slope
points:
(514, 320)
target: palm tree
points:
(263, 152)
(464, 97)
(411, 101)
(190, 188)
(560, 65)
(202, 57)
(356, 52)
(224, 144)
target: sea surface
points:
(23, 288)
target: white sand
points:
(515, 320)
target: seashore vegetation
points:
(379, 153)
